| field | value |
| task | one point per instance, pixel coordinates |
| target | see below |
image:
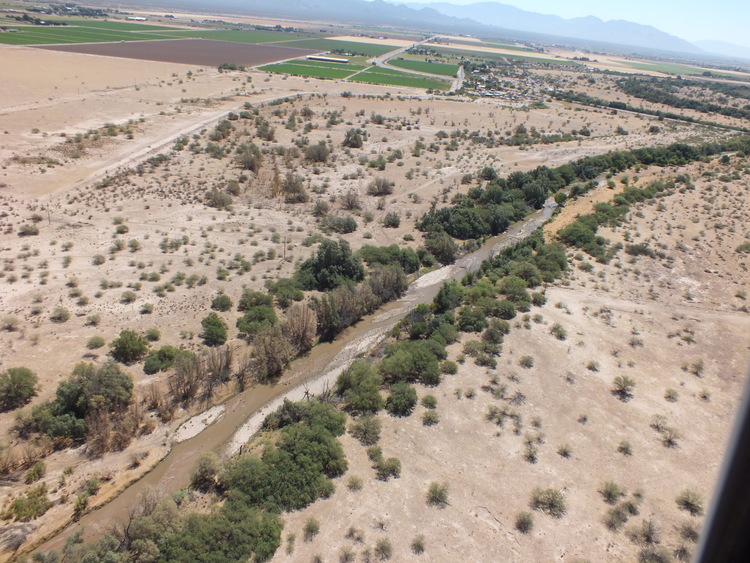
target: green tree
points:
(360, 385)
(17, 387)
(441, 246)
(249, 157)
(206, 472)
(353, 139)
(402, 399)
(91, 388)
(214, 330)
(222, 303)
(256, 318)
(129, 347)
(332, 265)
(448, 298)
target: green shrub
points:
(31, 505)
(383, 549)
(558, 331)
(549, 501)
(691, 502)
(95, 342)
(17, 386)
(129, 347)
(402, 399)
(437, 494)
(312, 527)
(449, 367)
(366, 430)
(429, 402)
(622, 387)
(387, 468)
(35, 472)
(60, 315)
(611, 492)
(430, 418)
(214, 330)
(359, 386)
(332, 265)
(392, 220)
(418, 545)
(221, 303)
(524, 522)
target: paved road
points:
(382, 61)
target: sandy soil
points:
(651, 336)
(166, 202)
(374, 40)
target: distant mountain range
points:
(482, 19)
(725, 49)
(589, 28)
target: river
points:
(312, 373)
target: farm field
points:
(42, 35)
(386, 76)
(189, 51)
(667, 68)
(117, 25)
(237, 36)
(367, 49)
(312, 71)
(424, 66)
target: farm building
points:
(326, 59)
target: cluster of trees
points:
(294, 470)
(491, 210)
(662, 92)
(89, 393)
(581, 233)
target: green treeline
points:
(661, 92)
(585, 99)
(492, 209)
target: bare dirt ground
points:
(163, 207)
(189, 51)
(644, 318)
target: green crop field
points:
(117, 25)
(324, 64)
(508, 46)
(668, 68)
(470, 55)
(309, 71)
(346, 46)
(541, 60)
(423, 66)
(237, 36)
(42, 35)
(391, 71)
(393, 78)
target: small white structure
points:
(136, 19)
(326, 59)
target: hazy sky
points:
(720, 20)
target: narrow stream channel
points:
(243, 411)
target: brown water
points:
(172, 473)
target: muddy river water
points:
(312, 373)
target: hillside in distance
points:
(481, 19)
(590, 28)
